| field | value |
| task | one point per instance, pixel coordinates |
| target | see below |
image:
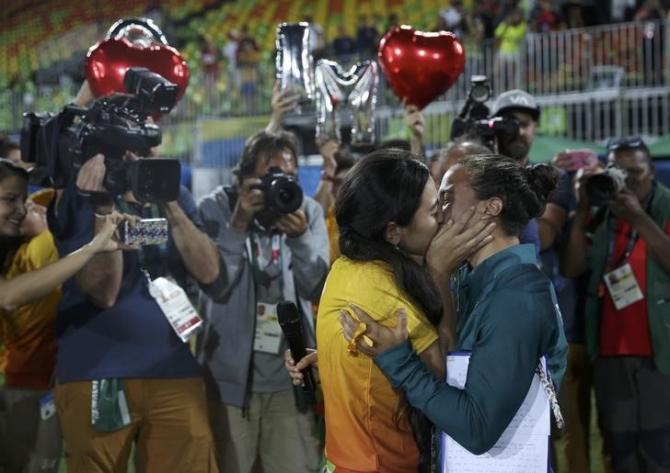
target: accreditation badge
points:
(623, 287)
(176, 307)
(268, 332)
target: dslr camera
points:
(603, 187)
(59, 145)
(475, 119)
(283, 195)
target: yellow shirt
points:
(363, 431)
(29, 353)
(333, 234)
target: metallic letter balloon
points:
(357, 88)
(294, 62)
(420, 66)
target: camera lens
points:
(285, 195)
(479, 92)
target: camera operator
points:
(627, 307)
(254, 411)
(520, 106)
(123, 376)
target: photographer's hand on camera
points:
(293, 224)
(249, 201)
(91, 175)
(627, 206)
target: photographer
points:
(268, 256)
(117, 350)
(520, 106)
(627, 310)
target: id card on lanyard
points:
(170, 297)
(268, 334)
(619, 278)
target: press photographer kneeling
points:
(620, 235)
(124, 372)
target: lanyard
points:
(266, 271)
(633, 237)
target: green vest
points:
(658, 286)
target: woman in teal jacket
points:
(506, 309)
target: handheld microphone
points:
(291, 324)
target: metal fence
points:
(592, 83)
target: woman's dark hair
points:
(345, 161)
(386, 186)
(8, 245)
(264, 145)
(524, 190)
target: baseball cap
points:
(516, 99)
(629, 142)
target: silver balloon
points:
(140, 31)
(295, 67)
(356, 88)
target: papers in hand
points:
(522, 448)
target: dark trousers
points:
(633, 401)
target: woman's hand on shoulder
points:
(366, 335)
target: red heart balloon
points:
(108, 61)
(419, 66)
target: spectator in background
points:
(254, 412)
(546, 18)
(210, 61)
(366, 38)
(573, 15)
(510, 35)
(453, 18)
(343, 45)
(650, 10)
(248, 59)
(229, 52)
(626, 325)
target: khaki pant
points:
(28, 443)
(168, 426)
(271, 430)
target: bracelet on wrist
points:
(327, 177)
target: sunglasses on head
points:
(630, 142)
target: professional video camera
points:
(474, 118)
(113, 125)
(601, 188)
(283, 195)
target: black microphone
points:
(291, 324)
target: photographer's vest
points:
(658, 286)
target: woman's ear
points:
(392, 233)
(493, 207)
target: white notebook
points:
(522, 448)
